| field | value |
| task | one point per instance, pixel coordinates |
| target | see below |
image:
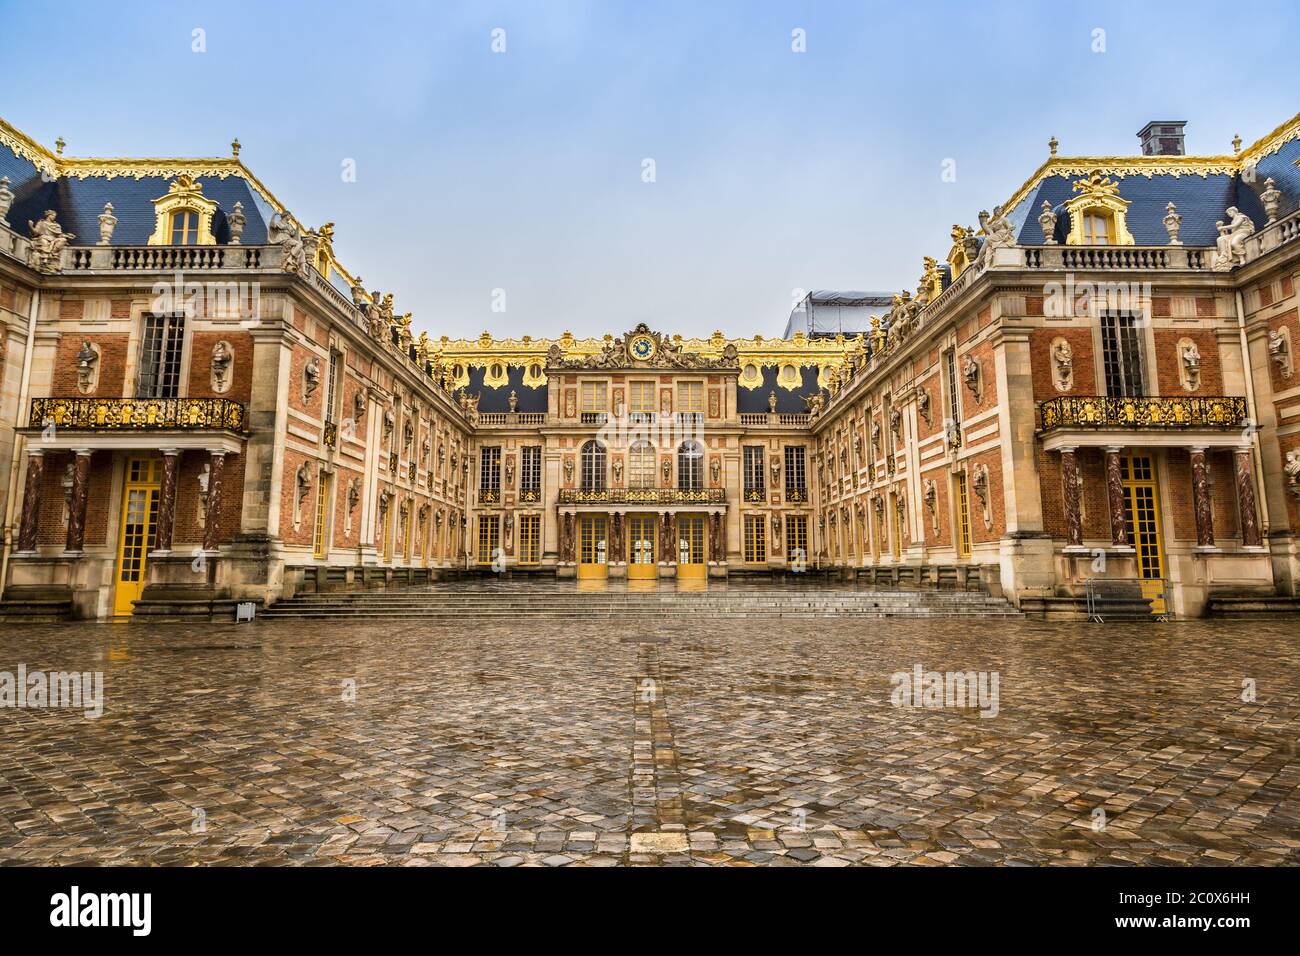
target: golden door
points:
(641, 547)
(136, 535)
(690, 546)
(591, 547)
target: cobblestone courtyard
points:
(757, 743)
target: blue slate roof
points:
(755, 399)
(498, 399)
(1201, 200)
(78, 202)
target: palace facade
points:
(200, 405)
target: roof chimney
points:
(1162, 138)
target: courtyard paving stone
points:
(760, 742)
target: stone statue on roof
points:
(1230, 247)
(48, 243)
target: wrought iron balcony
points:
(330, 434)
(138, 414)
(643, 496)
(796, 495)
(1174, 412)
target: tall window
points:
(963, 515)
(160, 356)
(530, 473)
(641, 465)
(593, 466)
(593, 396)
(184, 228)
(690, 397)
(489, 537)
(796, 488)
(950, 382)
(530, 539)
(755, 539)
(642, 398)
(796, 537)
(690, 466)
(1121, 355)
(320, 539)
(1096, 229)
(332, 386)
(489, 473)
(755, 487)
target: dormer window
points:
(185, 228)
(1098, 214)
(1097, 229)
(183, 217)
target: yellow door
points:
(690, 546)
(641, 547)
(1142, 515)
(591, 547)
(135, 537)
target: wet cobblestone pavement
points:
(734, 742)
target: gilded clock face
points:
(642, 347)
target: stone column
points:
(1115, 491)
(77, 509)
(162, 536)
(216, 468)
(32, 500)
(1070, 481)
(1246, 499)
(1201, 504)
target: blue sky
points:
(522, 171)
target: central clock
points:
(642, 347)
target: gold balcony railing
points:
(330, 434)
(127, 414)
(646, 496)
(1182, 411)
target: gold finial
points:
(1236, 144)
(235, 147)
(1052, 144)
(58, 145)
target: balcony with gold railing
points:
(643, 496)
(1142, 412)
(138, 414)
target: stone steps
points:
(561, 603)
(1252, 606)
(35, 611)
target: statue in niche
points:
(1292, 469)
(221, 359)
(923, 404)
(1191, 359)
(1279, 351)
(932, 503)
(970, 373)
(980, 485)
(311, 378)
(1063, 362)
(87, 358)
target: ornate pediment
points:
(643, 348)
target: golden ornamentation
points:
(183, 195)
(124, 414)
(1098, 192)
(1099, 411)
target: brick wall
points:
(1043, 368)
(982, 353)
(1168, 361)
(111, 366)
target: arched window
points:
(641, 465)
(593, 467)
(690, 466)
